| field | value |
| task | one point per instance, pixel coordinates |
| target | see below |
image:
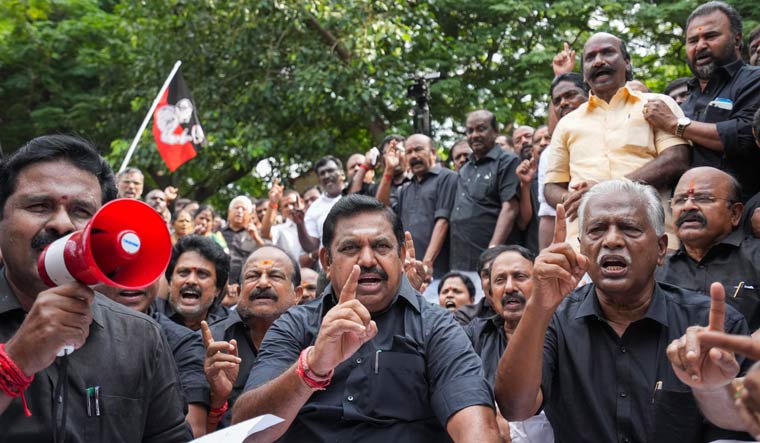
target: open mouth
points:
(692, 220)
(513, 301)
(369, 283)
(450, 305)
(602, 74)
(614, 265)
(704, 59)
(191, 294)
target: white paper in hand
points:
(241, 431)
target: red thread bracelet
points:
(218, 412)
(13, 381)
(311, 379)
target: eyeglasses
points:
(698, 199)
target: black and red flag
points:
(176, 127)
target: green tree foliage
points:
(294, 80)
(59, 66)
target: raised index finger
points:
(560, 225)
(410, 253)
(717, 308)
(349, 288)
(206, 332)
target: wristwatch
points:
(683, 122)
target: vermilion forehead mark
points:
(265, 262)
(690, 191)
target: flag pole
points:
(148, 116)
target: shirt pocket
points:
(480, 185)
(120, 420)
(747, 302)
(399, 388)
(674, 417)
(636, 138)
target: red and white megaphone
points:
(126, 244)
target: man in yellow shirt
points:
(608, 137)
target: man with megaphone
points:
(120, 382)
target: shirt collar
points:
(8, 300)
(735, 239)
(730, 69)
(435, 170)
(590, 307)
(622, 94)
(492, 154)
(733, 67)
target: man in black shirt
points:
(484, 307)
(723, 96)
(270, 285)
(486, 203)
(424, 205)
(120, 384)
(186, 346)
(370, 361)
(706, 209)
(197, 272)
(511, 284)
(594, 357)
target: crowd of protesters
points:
(596, 278)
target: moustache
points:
(703, 52)
(513, 296)
(416, 162)
(694, 215)
(42, 239)
(374, 270)
(613, 257)
(263, 293)
(600, 70)
(190, 290)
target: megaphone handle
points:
(64, 351)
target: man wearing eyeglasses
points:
(707, 209)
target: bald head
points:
(606, 64)
(712, 175)
(706, 208)
(353, 163)
(420, 154)
(481, 130)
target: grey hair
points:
(245, 200)
(646, 193)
